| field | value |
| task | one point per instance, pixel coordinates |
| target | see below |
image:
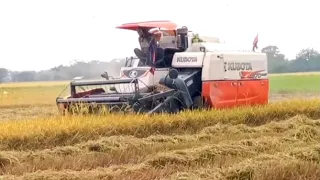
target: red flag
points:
(255, 43)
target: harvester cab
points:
(178, 72)
(159, 41)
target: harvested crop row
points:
(263, 167)
(221, 151)
(121, 150)
(208, 162)
(61, 131)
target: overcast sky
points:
(40, 34)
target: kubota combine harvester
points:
(173, 72)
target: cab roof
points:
(149, 24)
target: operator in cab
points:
(154, 44)
(149, 40)
(144, 41)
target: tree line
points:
(89, 70)
(306, 60)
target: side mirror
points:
(203, 49)
(105, 75)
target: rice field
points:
(277, 141)
(295, 83)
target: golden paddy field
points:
(277, 141)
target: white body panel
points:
(129, 88)
(158, 74)
(235, 66)
(189, 59)
(223, 62)
(146, 78)
(213, 68)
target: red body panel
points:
(232, 93)
(220, 93)
(253, 92)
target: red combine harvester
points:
(172, 72)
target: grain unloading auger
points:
(173, 72)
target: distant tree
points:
(307, 54)
(271, 50)
(308, 60)
(277, 62)
(24, 76)
(3, 73)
